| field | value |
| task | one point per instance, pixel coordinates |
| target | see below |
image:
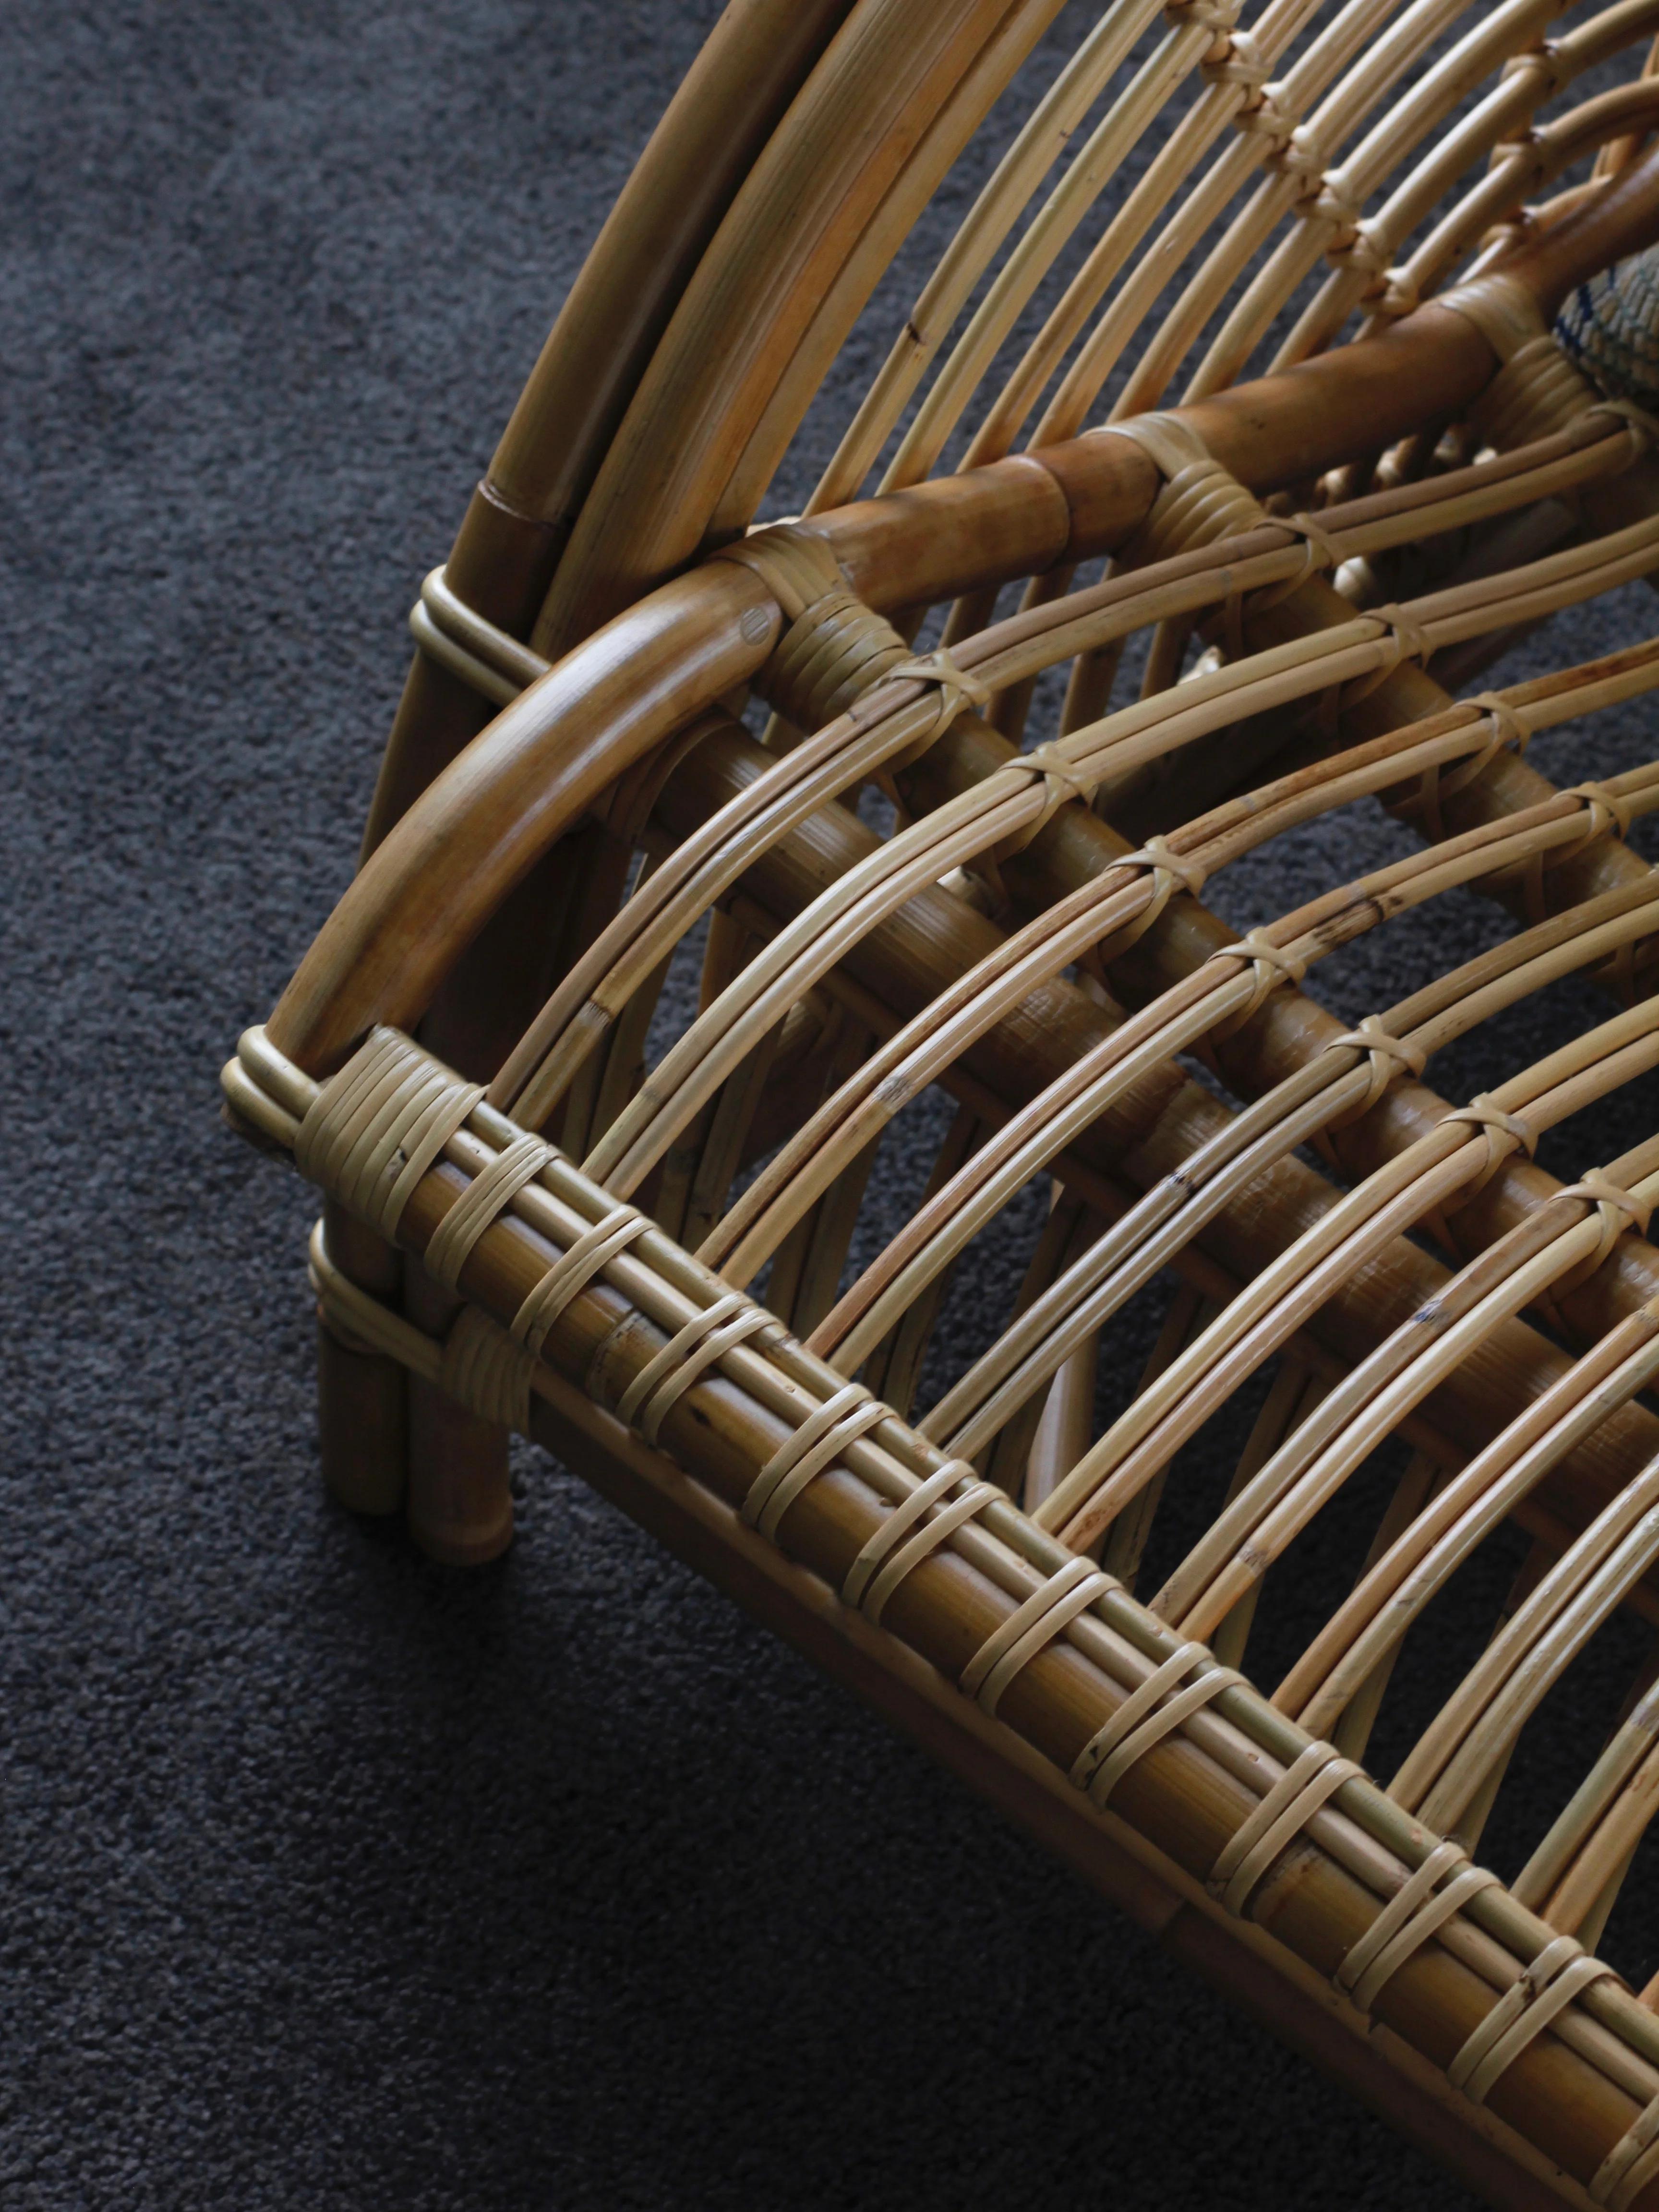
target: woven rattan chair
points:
(937, 866)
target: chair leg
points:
(459, 1505)
(363, 1410)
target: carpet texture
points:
(331, 1879)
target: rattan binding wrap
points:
(639, 720)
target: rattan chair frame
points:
(524, 1230)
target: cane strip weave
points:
(886, 1559)
(1318, 1774)
(704, 1339)
(1406, 1922)
(1632, 2163)
(572, 1272)
(1541, 1990)
(846, 1414)
(1145, 1718)
(1072, 1590)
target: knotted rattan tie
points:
(1607, 813)
(1320, 552)
(1541, 1990)
(370, 1136)
(1146, 1716)
(1272, 966)
(1217, 16)
(1069, 1591)
(959, 690)
(1054, 767)
(1359, 244)
(1504, 727)
(1171, 872)
(1417, 1909)
(1495, 1124)
(1387, 1055)
(1643, 424)
(888, 1557)
(1619, 1210)
(1406, 640)
(1242, 63)
(1061, 780)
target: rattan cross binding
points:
(1421, 233)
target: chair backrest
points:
(1318, 170)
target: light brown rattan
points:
(525, 1228)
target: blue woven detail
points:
(1609, 326)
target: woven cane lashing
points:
(732, 1232)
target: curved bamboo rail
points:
(684, 645)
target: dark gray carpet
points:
(330, 1879)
